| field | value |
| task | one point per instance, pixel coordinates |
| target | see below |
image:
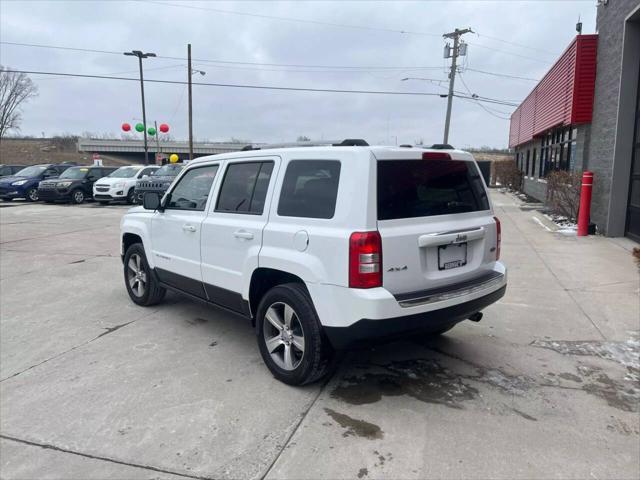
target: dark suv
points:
(24, 183)
(158, 181)
(74, 185)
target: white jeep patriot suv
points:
(322, 247)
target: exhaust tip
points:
(476, 317)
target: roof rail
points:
(349, 142)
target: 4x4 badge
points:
(397, 269)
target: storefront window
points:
(558, 150)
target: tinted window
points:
(124, 172)
(309, 189)
(193, 189)
(75, 173)
(32, 171)
(244, 187)
(169, 170)
(422, 188)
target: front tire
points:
(141, 284)
(77, 197)
(131, 197)
(32, 195)
(290, 336)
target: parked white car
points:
(322, 247)
(120, 184)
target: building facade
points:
(585, 115)
(551, 129)
(614, 155)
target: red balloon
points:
(126, 127)
(164, 128)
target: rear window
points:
(424, 188)
(309, 189)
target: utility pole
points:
(190, 103)
(140, 55)
(453, 53)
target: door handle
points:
(188, 228)
(243, 234)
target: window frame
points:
(229, 164)
(177, 181)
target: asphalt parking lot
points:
(547, 385)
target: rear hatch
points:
(435, 220)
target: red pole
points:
(585, 204)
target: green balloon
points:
(139, 127)
(151, 131)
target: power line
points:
(490, 111)
(257, 87)
(292, 19)
(505, 75)
(328, 68)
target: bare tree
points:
(15, 88)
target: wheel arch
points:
(264, 279)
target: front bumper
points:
(11, 191)
(52, 194)
(104, 194)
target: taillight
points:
(436, 156)
(365, 260)
(498, 237)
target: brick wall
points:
(610, 23)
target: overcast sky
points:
(76, 105)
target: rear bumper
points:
(366, 331)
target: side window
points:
(193, 189)
(50, 172)
(309, 189)
(147, 171)
(244, 188)
(94, 174)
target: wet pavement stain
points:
(196, 321)
(355, 427)
(571, 377)
(363, 472)
(423, 379)
(623, 395)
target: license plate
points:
(452, 256)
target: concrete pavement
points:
(92, 386)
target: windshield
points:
(124, 172)
(168, 171)
(74, 173)
(32, 171)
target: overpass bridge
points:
(135, 148)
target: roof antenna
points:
(579, 26)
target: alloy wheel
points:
(136, 275)
(78, 196)
(283, 335)
(33, 195)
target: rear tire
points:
(141, 284)
(290, 336)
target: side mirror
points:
(151, 201)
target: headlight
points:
(118, 185)
(19, 182)
(64, 184)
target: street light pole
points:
(141, 55)
(190, 103)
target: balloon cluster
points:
(164, 128)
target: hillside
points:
(31, 151)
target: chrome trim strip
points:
(439, 297)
